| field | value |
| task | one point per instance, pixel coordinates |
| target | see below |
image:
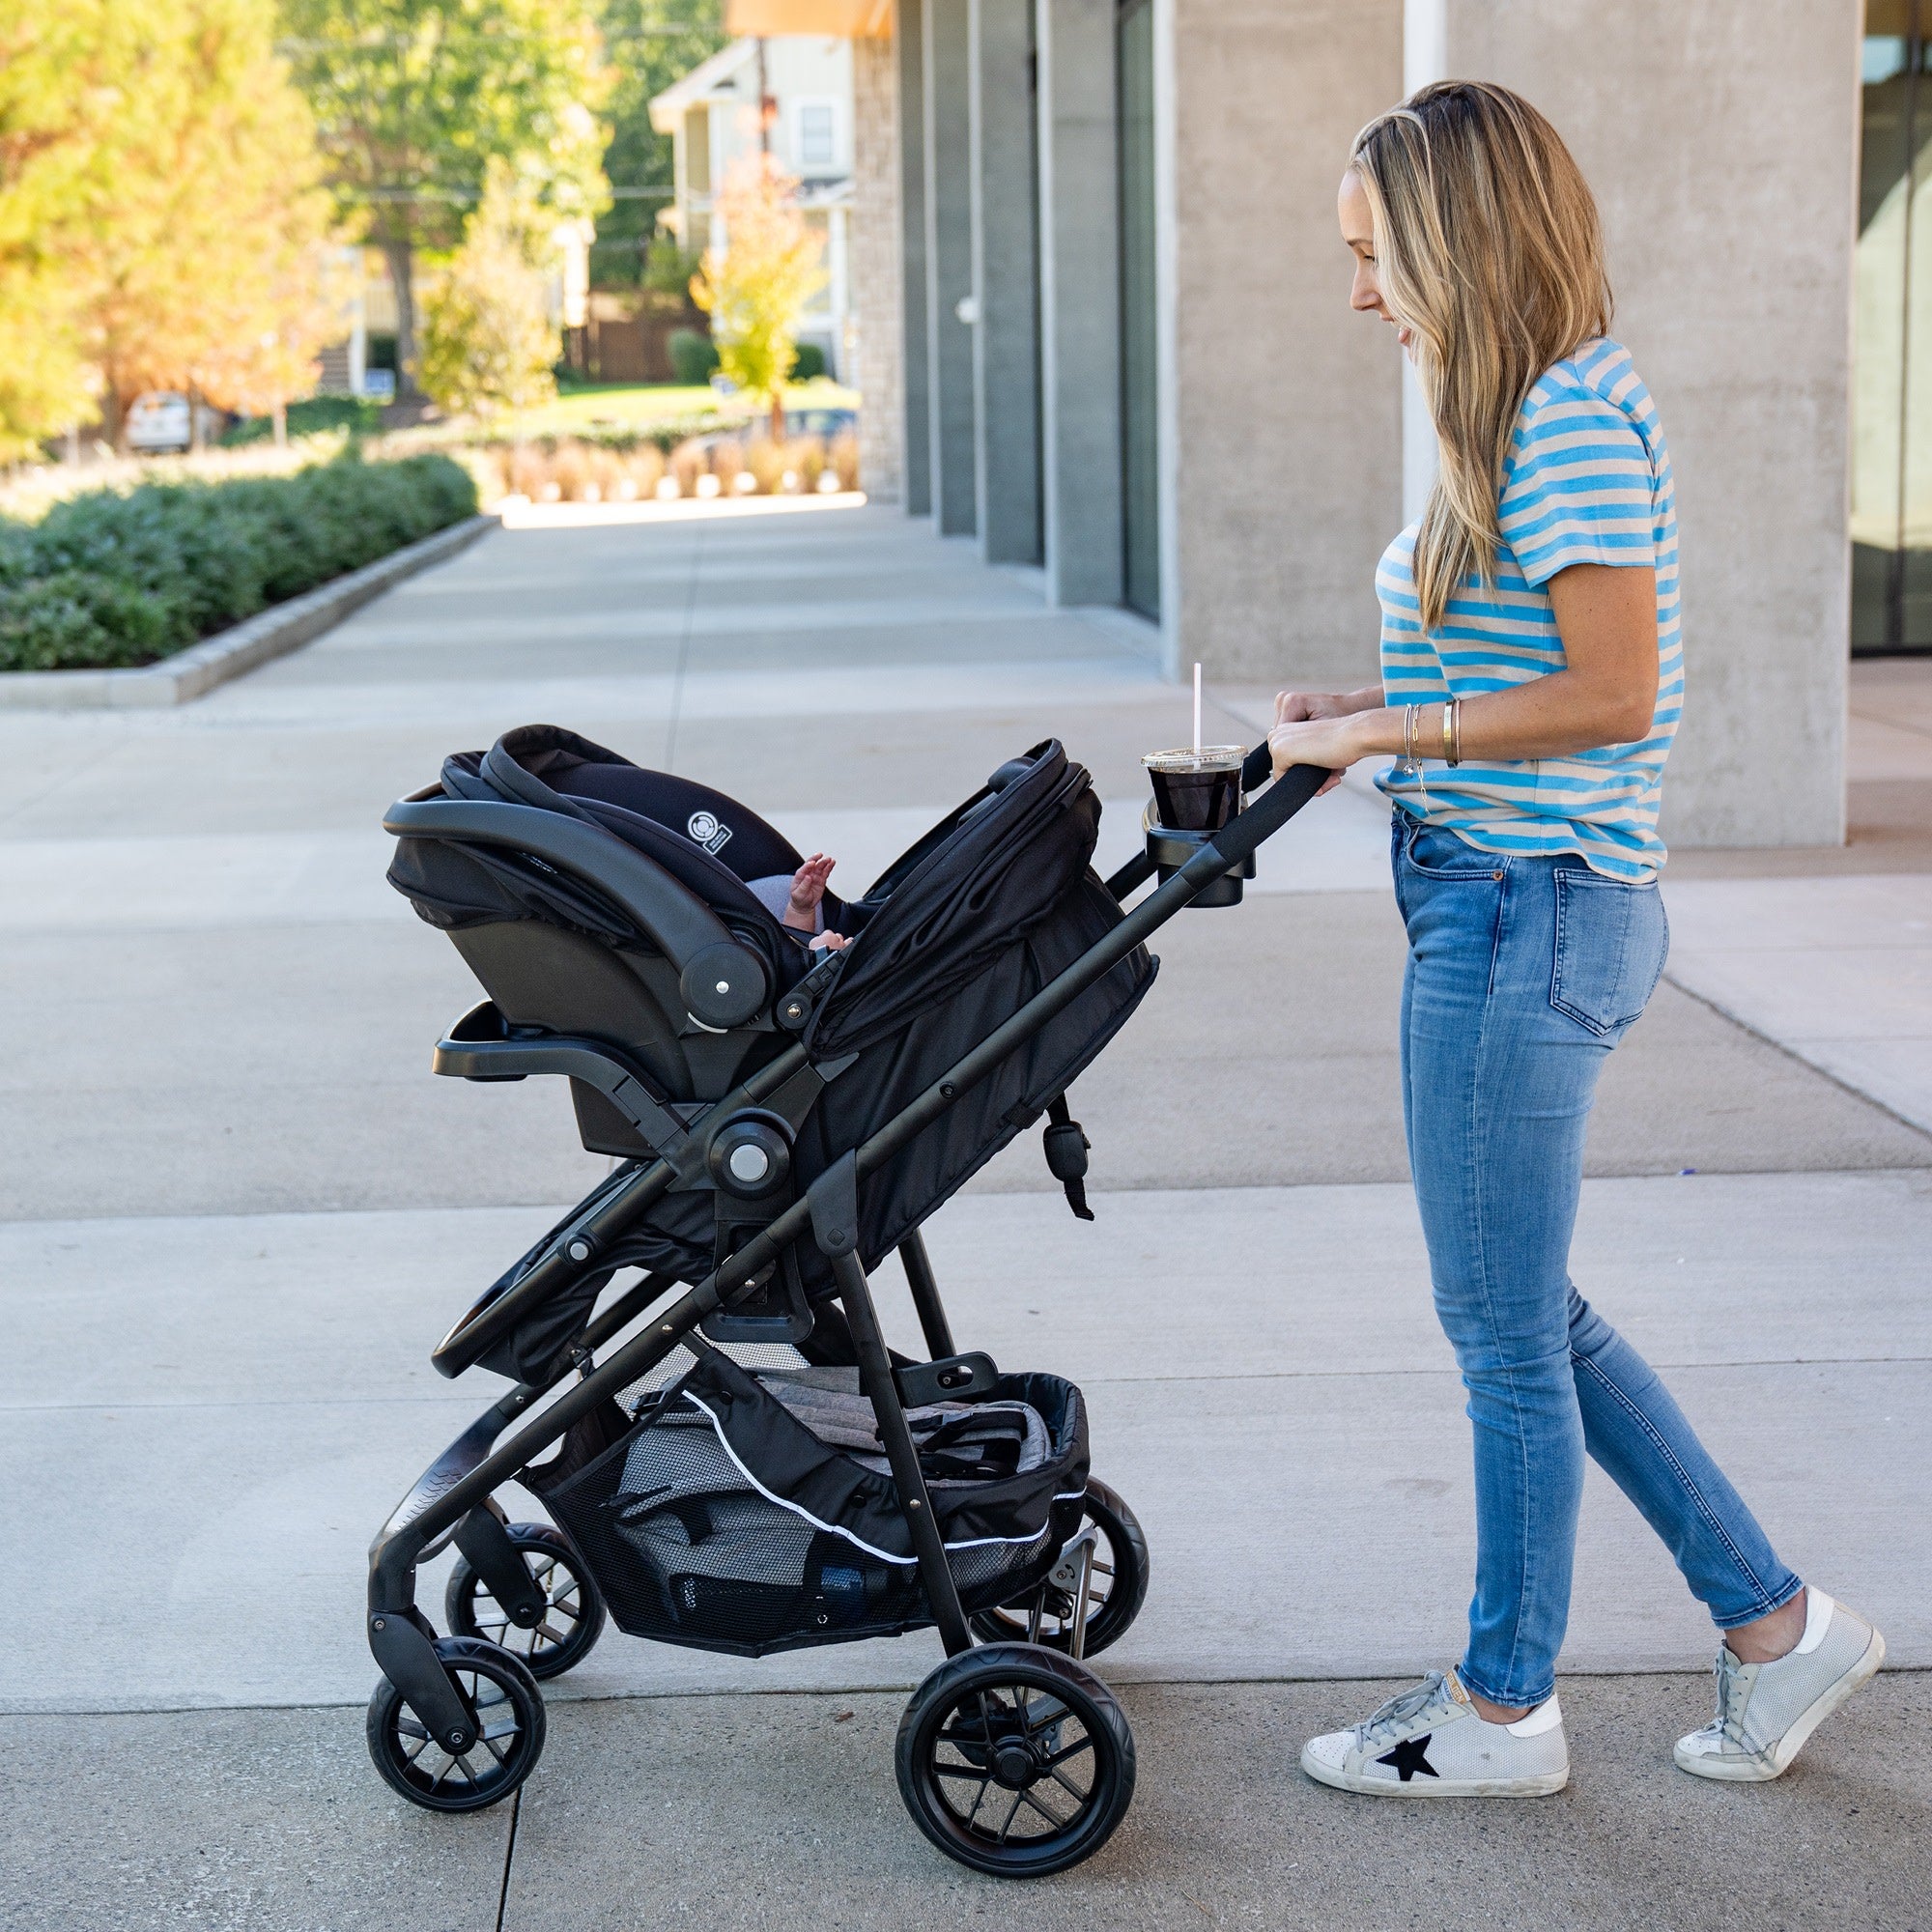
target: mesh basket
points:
(691, 1544)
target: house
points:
(793, 94)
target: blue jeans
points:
(1522, 975)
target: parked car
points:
(159, 422)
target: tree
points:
(215, 211)
(756, 287)
(56, 85)
(651, 43)
(488, 341)
(264, 353)
(411, 98)
(157, 201)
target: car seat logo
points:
(705, 828)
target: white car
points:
(158, 422)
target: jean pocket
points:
(1611, 940)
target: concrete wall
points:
(916, 407)
(949, 262)
(1722, 140)
(1286, 470)
(875, 325)
(1079, 301)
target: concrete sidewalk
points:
(235, 1211)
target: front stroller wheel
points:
(1116, 1588)
(573, 1617)
(1016, 1760)
(509, 1714)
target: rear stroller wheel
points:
(1117, 1586)
(573, 1617)
(509, 1714)
(1016, 1760)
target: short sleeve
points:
(1577, 487)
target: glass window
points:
(1891, 414)
(817, 148)
(1139, 437)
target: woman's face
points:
(1365, 293)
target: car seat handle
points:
(723, 982)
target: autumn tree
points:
(158, 203)
(756, 286)
(411, 98)
(488, 341)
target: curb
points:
(268, 634)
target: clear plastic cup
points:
(1196, 791)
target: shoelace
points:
(1398, 1710)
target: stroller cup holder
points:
(1167, 850)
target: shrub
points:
(692, 356)
(107, 579)
(808, 362)
(357, 415)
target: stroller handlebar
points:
(1238, 839)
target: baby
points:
(797, 903)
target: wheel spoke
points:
(1010, 1816)
(1058, 1823)
(1072, 1790)
(1072, 1750)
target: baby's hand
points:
(830, 942)
(808, 889)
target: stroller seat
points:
(605, 909)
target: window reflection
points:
(1892, 447)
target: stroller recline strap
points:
(1066, 1148)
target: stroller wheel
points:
(572, 1616)
(510, 1732)
(1117, 1588)
(1016, 1760)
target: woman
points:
(1531, 685)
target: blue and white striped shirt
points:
(1588, 481)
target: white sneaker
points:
(1766, 1711)
(1431, 1742)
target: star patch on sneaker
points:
(1411, 1757)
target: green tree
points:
(650, 45)
(157, 201)
(756, 286)
(489, 342)
(412, 97)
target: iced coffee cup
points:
(1196, 791)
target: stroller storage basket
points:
(719, 1520)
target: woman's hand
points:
(1316, 728)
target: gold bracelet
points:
(1457, 759)
(1448, 715)
(1409, 713)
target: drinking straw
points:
(1197, 710)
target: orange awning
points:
(842, 18)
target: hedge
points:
(108, 579)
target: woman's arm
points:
(1605, 693)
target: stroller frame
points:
(453, 1500)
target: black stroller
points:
(749, 1468)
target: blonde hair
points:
(1487, 247)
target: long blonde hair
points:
(1489, 248)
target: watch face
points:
(705, 831)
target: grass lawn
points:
(643, 403)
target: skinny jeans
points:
(1524, 972)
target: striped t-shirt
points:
(1588, 481)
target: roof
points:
(667, 109)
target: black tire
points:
(1012, 1717)
(573, 1621)
(1119, 1587)
(511, 1720)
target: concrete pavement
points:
(239, 1211)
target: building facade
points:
(1128, 356)
(792, 96)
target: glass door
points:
(1139, 437)
(1891, 413)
